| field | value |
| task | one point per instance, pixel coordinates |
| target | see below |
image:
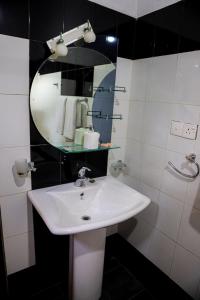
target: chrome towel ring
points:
(191, 158)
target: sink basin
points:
(67, 209)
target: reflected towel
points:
(78, 114)
(61, 115)
(70, 119)
(84, 111)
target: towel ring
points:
(191, 158)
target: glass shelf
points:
(74, 148)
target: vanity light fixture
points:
(58, 45)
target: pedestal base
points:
(86, 264)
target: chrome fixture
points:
(58, 45)
(192, 159)
(82, 180)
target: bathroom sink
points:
(67, 209)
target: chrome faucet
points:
(82, 180)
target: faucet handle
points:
(81, 172)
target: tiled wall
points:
(165, 88)
(14, 144)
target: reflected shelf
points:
(74, 148)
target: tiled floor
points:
(127, 276)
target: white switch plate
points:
(189, 131)
(176, 128)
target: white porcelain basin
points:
(105, 202)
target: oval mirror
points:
(73, 92)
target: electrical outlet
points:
(176, 128)
(189, 131)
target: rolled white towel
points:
(61, 115)
(70, 118)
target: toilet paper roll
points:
(91, 140)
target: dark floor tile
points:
(110, 263)
(144, 295)
(116, 278)
(126, 290)
(105, 296)
(52, 293)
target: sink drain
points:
(86, 218)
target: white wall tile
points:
(14, 120)
(161, 251)
(152, 165)
(133, 158)
(189, 235)
(162, 78)
(14, 61)
(140, 78)
(123, 77)
(16, 213)
(135, 120)
(169, 216)
(138, 233)
(133, 182)
(150, 213)
(156, 123)
(7, 160)
(187, 88)
(179, 144)
(119, 127)
(19, 252)
(147, 6)
(186, 270)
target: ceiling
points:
(135, 8)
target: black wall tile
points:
(166, 42)
(14, 18)
(72, 163)
(39, 52)
(46, 19)
(145, 39)
(190, 38)
(126, 33)
(47, 161)
(51, 253)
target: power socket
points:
(189, 131)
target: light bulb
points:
(61, 49)
(89, 36)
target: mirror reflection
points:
(72, 95)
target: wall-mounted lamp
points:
(58, 45)
(23, 167)
(60, 48)
(21, 170)
(89, 35)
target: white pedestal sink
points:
(84, 213)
